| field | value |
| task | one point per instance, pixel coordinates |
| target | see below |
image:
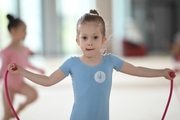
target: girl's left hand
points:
(169, 74)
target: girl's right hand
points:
(14, 68)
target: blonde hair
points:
(92, 16)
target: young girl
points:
(91, 72)
(17, 52)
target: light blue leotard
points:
(92, 86)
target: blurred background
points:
(140, 31)
(51, 24)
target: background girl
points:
(91, 72)
(17, 52)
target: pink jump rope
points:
(172, 75)
(7, 94)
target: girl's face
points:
(90, 39)
(19, 33)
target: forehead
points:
(90, 27)
(21, 26)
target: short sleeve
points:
(117, 62)
(65, 67)
(29, 52)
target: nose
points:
(90, 43)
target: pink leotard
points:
(9, 55)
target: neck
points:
(17, 45)
(91, 61)
(16, 42)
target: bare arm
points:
(43, 80)
(35, 68)
(130, 69)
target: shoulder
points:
(111, 56)
(115, 60)
(6, 51)
(26, 49)
(71, 60)
(7, 54)
(68, 64)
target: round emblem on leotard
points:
(100, 76)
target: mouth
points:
(87, 49)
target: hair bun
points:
(10, 17)
(94, 12)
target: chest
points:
(92, 78)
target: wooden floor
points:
(132, 98)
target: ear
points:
(77, 40)
(13, 31)
(104, 40)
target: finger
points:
(14, 67)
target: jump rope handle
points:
(172, 75)
(7, 94)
